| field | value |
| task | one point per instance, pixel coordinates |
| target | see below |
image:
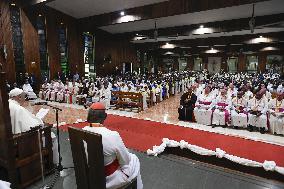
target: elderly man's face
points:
(20, 98)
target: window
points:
(252, 63)
(63, 48)
(89, 55)
(41, 30)
(232, 64)
(198, 66)
(17, 36)
(275, 63)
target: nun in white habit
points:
(115, 153)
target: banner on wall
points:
(214, 64)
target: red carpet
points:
(142, 135)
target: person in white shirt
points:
(115, 153)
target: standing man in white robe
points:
(105, 96)
(115, 153)
(27, 88)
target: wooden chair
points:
(20, 154)
(90, 173)
(27, 152)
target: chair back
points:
(88, 158)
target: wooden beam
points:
(163, 9)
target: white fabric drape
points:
(267, 165)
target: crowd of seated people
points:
(88, 90)
(27, 83)
(240, 100)
(253, 101)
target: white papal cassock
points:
(239, 113)
(276, 120)
(22, 121)
(114, 149)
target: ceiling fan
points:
(253, 26)
(252, 21)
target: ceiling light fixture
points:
(13, 4)
(39, 15)
(61, 23)
(122, 13)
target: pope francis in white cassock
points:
(22, 120)
(115, 153)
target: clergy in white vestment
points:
(115, 153)
(239, 114)
(22, 120)
(203, 107)
(27, 88)
(258, 107)
(222, 113)
(276, 119)
(105, 96)
(232, 91)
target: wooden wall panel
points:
(6, 39)
(262, 59)
(52, 43)
(120, 50)
(30, 45)
(242, 63)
